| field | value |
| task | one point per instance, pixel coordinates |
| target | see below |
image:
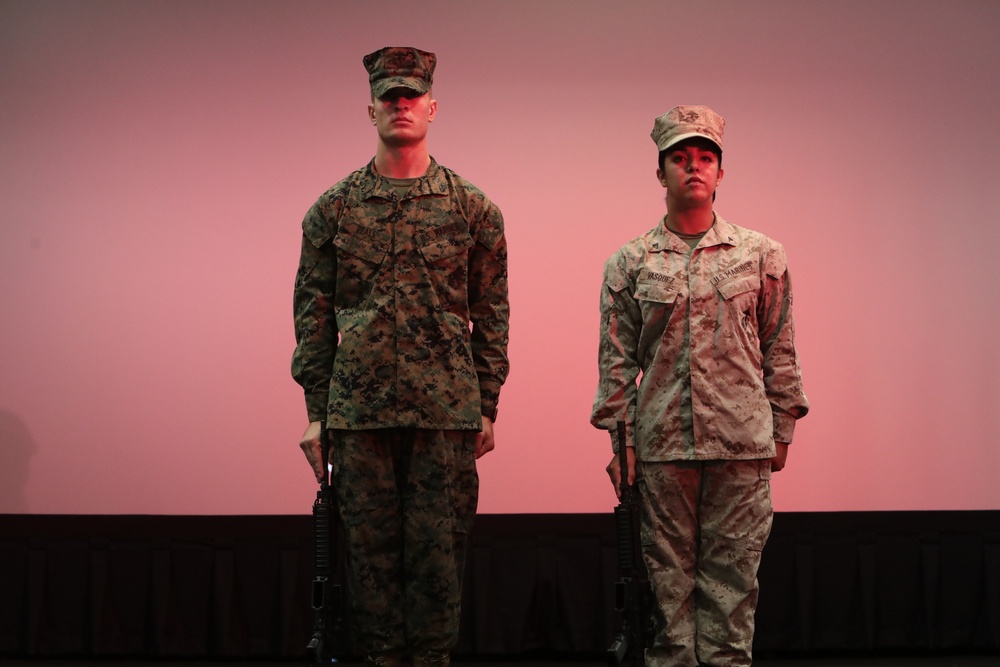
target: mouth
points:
(693, 180)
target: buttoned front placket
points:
(406, 284)
(395, 221)
(700, 314)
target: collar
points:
(662, 239)
(370, 183)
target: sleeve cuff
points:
(614, 438)
(784, 427)
(316, 407)
(489, 397)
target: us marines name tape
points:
(745, 267)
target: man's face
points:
(690, 173)
(401, 116)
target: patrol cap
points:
(686, 121)
(396, 66)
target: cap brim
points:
(681, 137)
(385, 85)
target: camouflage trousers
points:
(407, 499)
(703, 526)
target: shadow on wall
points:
(16, 449)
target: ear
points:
(371, 113)
(660, 177)
(432, 110)
(719, 178)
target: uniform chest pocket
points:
(740, 296)
(434, 250)
(656, 303)
(655, 292)
(360, 247)
(733, 288)
(445, 268)
(358, 262)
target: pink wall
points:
(156, 159)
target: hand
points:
(778, 462)
(614, 470)
(484, 439)
(313, 450)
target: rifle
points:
(633, 596)
(327, 597)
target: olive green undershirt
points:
(690, 239)
(401, 185)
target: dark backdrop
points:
(239, 586)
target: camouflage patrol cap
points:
(686, 121)
(396, 66)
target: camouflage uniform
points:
(713, 337)
(432, 474)
(697, 357)
(386, 290)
